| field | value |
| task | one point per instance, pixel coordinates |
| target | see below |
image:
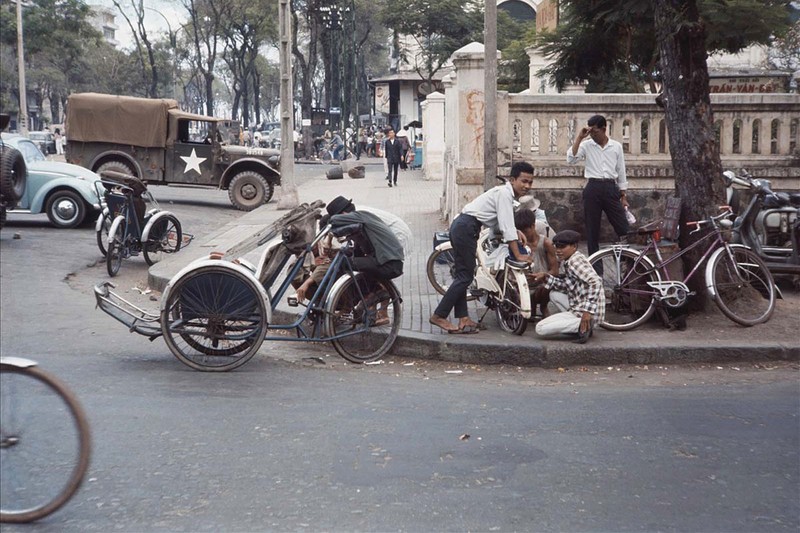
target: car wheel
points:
(115, 166)
(13, 174)
(249, 190)
(65, 209)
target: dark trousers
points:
(602, 196)
(369, 265)
(392, 172)
(464, 232)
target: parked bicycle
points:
(327, 153)
(737, 279)
(216, 313)
(132, 223)
(44, 442)
(505, 291)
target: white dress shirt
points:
(495, 209)
(602, 162)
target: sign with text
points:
(547, 15)
(748, 84)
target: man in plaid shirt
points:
(577, 292)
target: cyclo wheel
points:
(214, 319)
(743, 286)
(165, 237)
(630, 302)
(45, 444)
(116, 246)
(507, 310)
(364, 318)
(440, 269)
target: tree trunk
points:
(690, 122)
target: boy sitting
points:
(580, 300)
(540, 251)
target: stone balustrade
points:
(758, 132)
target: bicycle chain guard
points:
(671, 293)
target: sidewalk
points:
(708, 337)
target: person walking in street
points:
(494, 209)
(606, 181)
(402, 136)
(577, 292)
(393, 149)
(59, 142)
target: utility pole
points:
(22, 116)
(490, 96)
(288, 198)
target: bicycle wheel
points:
(630, 301)
(440, 269)
(44, 444)
(102, 228)
(116, 246)
(508, 310)
(325, 155)
(364, 317)
(743, 287)
(165, 237)
(214, 319)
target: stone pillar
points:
(433, 118)
(467, 141)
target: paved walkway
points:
(709, 337)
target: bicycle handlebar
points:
(726, 212)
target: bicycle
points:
(505, 291)
(216, 313)
(737, 279)
(45, 442)
(133, 230)
(326, 153)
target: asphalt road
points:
(298, 440)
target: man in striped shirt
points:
(577, 292)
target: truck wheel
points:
(65, 209)
(13, 174)
(115, 166)
(249, 190)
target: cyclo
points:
(216, 313)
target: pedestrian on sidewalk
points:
(494, 209)
(393, 149)
(606, 180)
(542, 252)
(577, 292)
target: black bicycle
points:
(135, 224)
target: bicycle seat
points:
(513, 263)
(647, 229)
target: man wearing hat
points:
(378, 252)
(577, 292)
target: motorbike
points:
(769, 224)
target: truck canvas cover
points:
(93, 117)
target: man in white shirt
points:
(494, 209)
(606, 181)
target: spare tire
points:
(334, 173)
(357, 173)
(13, 174)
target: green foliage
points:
(438, 27)
(606, 41)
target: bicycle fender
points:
(524, 293)
(113, 229)
(221, 263)
(17, 362)
(98, 226)
(447, 245)
(153, 219)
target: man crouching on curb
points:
(577, 292)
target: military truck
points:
(155, 141)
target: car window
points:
(29, 151)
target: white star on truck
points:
(193, 162)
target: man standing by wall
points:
(606, 181)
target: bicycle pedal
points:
(292, 301)
(480, 293)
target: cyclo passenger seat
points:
(116, 199)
